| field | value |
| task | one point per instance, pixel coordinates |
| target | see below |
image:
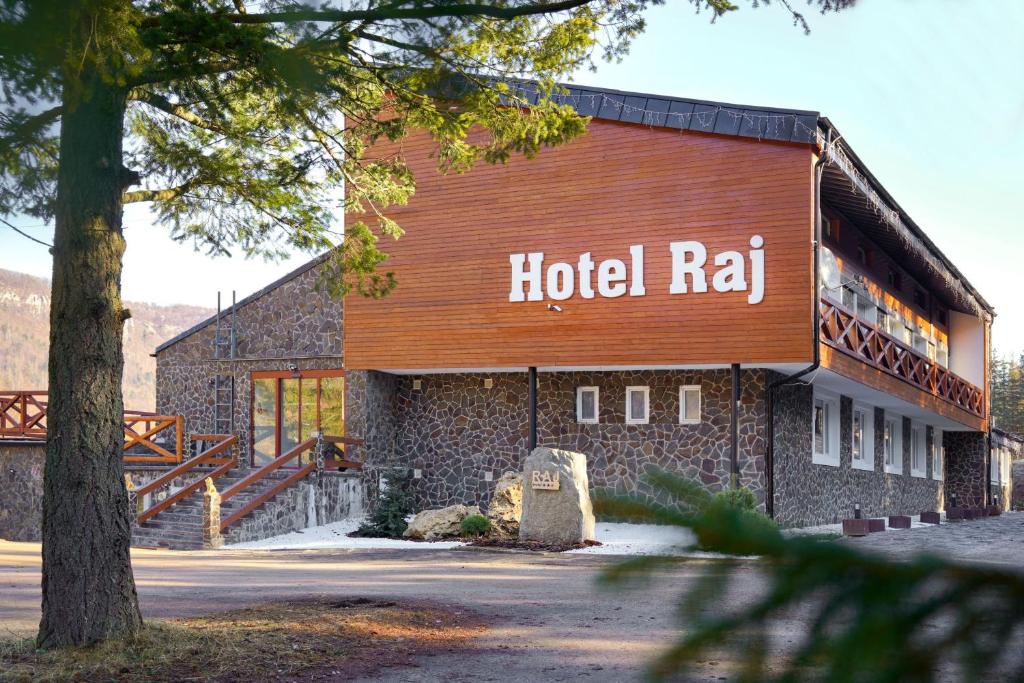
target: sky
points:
(930, 94)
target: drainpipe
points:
(734, 426)
(532, 378)
(769, 453)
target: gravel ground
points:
(551, 620)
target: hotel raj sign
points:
(693, 270)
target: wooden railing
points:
(844, 331)
(212, 455)
(259, 474)
(23, 416)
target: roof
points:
(681, 113)
(247, 300)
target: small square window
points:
(637, 405)
(689, 404)
(921, 298)
(587, 407)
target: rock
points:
(506, 505)
(444, 523)
(556, 515)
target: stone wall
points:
(289, 324)
(808, 493)
(966, 463)
(335, 496)
(21, 491)
(456, 432)
(1017, 476)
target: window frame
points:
(895, 467)
(683, 420)
(918, 433)
(830, 438)
(938, 450)
(579, 405)
(867, 461)
(630, 418)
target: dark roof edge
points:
(904, 217)
(309, 265)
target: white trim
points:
(830, 405)
(579, 406)
(630, 419)
(939, 449)
(918, 434)
(867, 460)
(682, 404)
(896, 467)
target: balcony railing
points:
(844, 331)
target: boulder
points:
(430, 525)
(506, 505)
(556, 498)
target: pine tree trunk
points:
(88, 587)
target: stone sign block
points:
(856, 527)
(899, 521)
(876, 524)
(954, 514)
(931, 518)
(559, 510)
(994, 511)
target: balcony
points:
(842, 330)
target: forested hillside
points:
(24, 337)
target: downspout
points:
(769, 453)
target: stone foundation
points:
(336, 496)
(966, 463)
(455, 431)
(21, 491)
(809, 494)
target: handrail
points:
(260, 473)
(259, 500)
(207, 456)
(153, 424)
(15, 417)
(844, 331)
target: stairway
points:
(180, 527)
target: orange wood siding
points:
(617, 186)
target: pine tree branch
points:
(389, 13)
(165, 105)
(28, 127)
(164, 194)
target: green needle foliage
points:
(868, 618)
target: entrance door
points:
(289, 407)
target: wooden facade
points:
(618, 185)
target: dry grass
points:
(295, 641)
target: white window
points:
(893, 444)
(995, 468)
(918, 464)
(825, 430)
(637, 405)
(689, 404)
(938, 453)
(942, 355)
(866, 308)
(863, 437)
(587, 405)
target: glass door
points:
(290, 407)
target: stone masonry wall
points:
(966, 463)
(290, 324)
(336, 496)
(456, 432)
(21, 491)
(808, 493)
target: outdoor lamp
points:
(856, 510)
